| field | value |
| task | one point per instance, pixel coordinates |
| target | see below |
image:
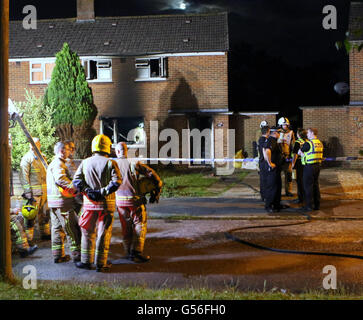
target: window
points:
(98, 70)
(151, 68)
(119, 129)
(41, 71)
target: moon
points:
(182, 5)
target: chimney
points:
(85, 10)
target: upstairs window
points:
(41, 71)
(98, 69)
(151, 68)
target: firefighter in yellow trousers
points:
(32, 176)
(97, 177)
(61, 202)
(130, 202)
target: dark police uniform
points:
(313, 150)
(263, 168)
(273, 176)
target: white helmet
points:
(283, 121)
(263, 123)
(141, 125)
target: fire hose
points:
(229, 235)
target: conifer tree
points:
(70, 97)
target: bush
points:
(38, 120)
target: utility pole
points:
(5, 244)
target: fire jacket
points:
(58, 176)
(287, 141)
(32, 174)
(98, 172)
(128, 193)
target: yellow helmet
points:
(29, 211)
(101, 143)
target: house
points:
(341, 127)
(172, 69)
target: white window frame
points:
(98, 60)
(42, 62)
(162, 68)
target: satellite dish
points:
(341, 88)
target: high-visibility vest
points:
(301, 142)
(315, 153)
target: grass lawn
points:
(189, 182)
(48, 290)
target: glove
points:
(154, 196)
(94, 195)
(111, 188)
(27, 195)
(78, 184)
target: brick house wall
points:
(340, 129)
(247, 126)
(193, 83)
(356, 76)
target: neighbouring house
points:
(341, 127)
(169, 68)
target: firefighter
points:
(130, 202)
(312, 150)
(265, 131)
(61, 194)
(72, 168)
(97, 177)
(298, 164)
(19, 237)
(286, 140)
(32, 176)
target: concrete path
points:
(197, 252)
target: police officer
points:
(98, 177)
(273, 161)
(312, 150)
(32, 176)
(286, 140)
(265, 131)
(298, 163)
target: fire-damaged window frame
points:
(42, 69)
(116, 135)
(87, 69)
(145, 63)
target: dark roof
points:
(127, 36)
(356, 21)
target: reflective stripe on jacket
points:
(58, 176)
(286, 141)
(32, 174)
(315, 153)
(96, 172)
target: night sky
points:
(280, 55)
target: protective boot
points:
(27, 252)
(66, 258)
(138, 257)
(105, 268)
(82, 265)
